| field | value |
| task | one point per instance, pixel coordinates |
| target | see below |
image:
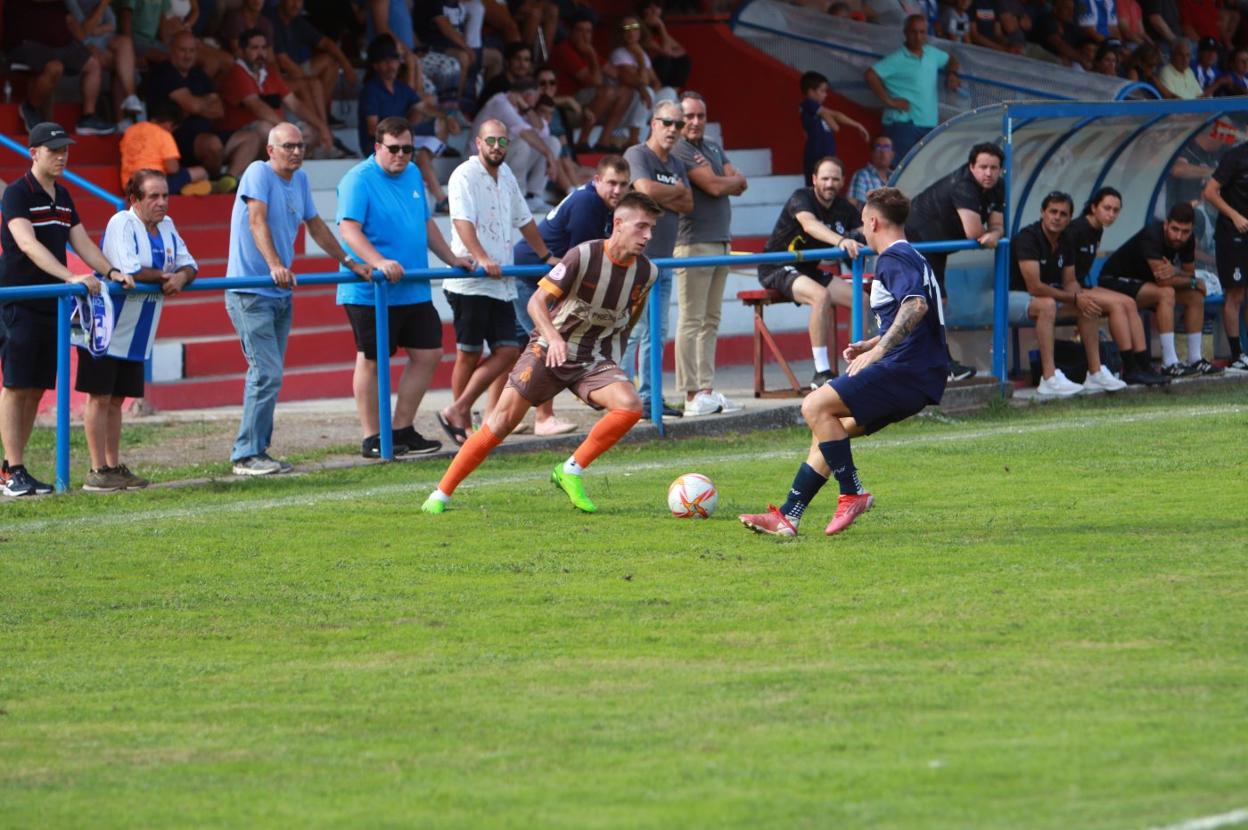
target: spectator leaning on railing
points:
(906, 81)
(968, 203)
(39, 221)
(144, 243)
(274, 199)
(387, 224)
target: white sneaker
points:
(1058, 386)
(1240, 364)
(726, 405)
(1103, 381)
(702, 404)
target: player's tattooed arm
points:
(908, 316)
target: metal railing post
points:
(1000, 308)
(655, 359)
(859, 323)
(381, 309)
(64, 307)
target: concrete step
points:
(768, 190)
(754, 220)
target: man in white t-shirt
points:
(533, 152)
(487, 208)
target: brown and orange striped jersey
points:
(599, 300)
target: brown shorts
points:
(537, 383)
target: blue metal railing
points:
(64, 294)
(71, 177)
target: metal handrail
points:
(64, 293)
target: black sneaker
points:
(414, 443)
(371, 446)
(1204, 367)
(94, 125)
(30, 116)
(960, 371)
(821, 378)
(1179, 370)
(22, 483)
(1145, 377)
(668, 411)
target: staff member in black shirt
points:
(1227, 190)
(969, 203)
(814, 217)
(1157, 268)
(1042, 284)
(39, 219)
(1126, 326)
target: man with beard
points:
(814, 217)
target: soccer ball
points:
(692, 496)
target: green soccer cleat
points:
(433, 505)
(574, 486)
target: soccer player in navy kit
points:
(890, 376)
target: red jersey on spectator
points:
(566, 62)
(239, 85)
(1202, 16)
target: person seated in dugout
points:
(1043, 285)
(1157, 268)
(815, 217)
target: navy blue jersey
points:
(580, 217)
(901, 272)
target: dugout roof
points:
(1077, 147)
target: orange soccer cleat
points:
(772, 522)
(849, 508)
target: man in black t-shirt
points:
(1227, 190)
(39, 221)
(814, 217)
(181, 81)
(969, 203)
(1157, 267)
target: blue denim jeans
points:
(263, 324)
(639, 342)
(525, 289)
(904, 135)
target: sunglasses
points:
(671, 122)
(547, 82)
(396, 149)
(292, 146)
(502, 141)
(628, 27)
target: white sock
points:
(1193, 346)
(440, 496)
(572, 468)
(821, 358)
(1169, 356)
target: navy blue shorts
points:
(882, 395)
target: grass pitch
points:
(1041, 624)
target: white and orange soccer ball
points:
(692, 496)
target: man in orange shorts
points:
(583, 312)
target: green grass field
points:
(1040, 625)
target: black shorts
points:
(938, 263)
(29, 350)
(411, 326)
(36, 55)
(1123, 285)
(109, 376)
(781, 278)
(1232, 255)
(480, 320)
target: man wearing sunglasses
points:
(661, 176)
(487, 208)
(274, 198)
(387, 223)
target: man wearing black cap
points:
(39, 219)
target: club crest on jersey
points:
(557, 272)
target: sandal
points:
(458, 435)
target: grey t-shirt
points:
(712, 215)
(644, 164)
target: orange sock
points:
(469, 458)
(613, 426)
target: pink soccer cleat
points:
(849, 508)
(772, 522)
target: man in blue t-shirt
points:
(386, 223)
(584, 214)
(273, 200)
(890, 376)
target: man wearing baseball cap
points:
(38, 220)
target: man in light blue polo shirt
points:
(387, 225)
(273, 199)
(906, 81)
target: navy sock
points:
(1236, 349)
(841, 459)
(806, 485)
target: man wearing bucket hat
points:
(39, 220)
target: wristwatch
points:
(109, 273)
(549, 255)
